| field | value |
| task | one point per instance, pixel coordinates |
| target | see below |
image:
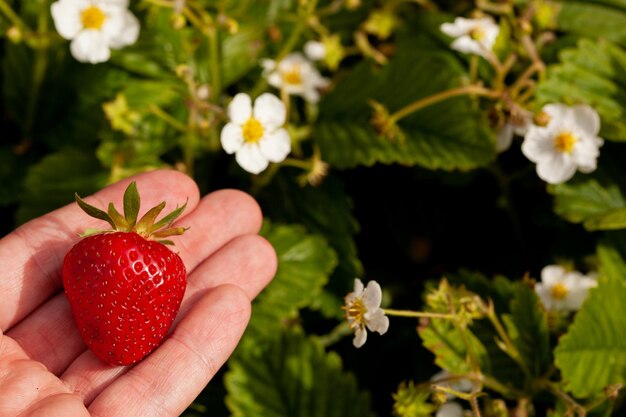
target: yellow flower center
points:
(92, 17)
(252, 130)
(558, 291)
(477, 34)
(292, 75)
(565, 141)
(355, 313)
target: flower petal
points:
(270, 111)
(360, 336)
(311, 94)
(552, 274)
(587, 119)
(250, 158)
(450, 409)
(358, 287)
(575, 298)
(557, 169)
(276, 146)
(231, 138)
(504, 138)
(315, 50)
(558, 113)
(467, 45)
(129, 32)
(66, 16)
(460, 27)
(538, 144)
(586, 153)
(240, 108)
(90, 46)
(372, 296)
(543, 291)
(377, 321)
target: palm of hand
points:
(45, 368)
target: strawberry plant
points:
(123, 284)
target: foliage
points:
(404, 165)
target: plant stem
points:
(444, 95)
(511, 350)
(297, 163)
(13, 17)
(335, 335)
(168, 118)
(417, 314)
(475, 408)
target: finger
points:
(166, 382)
(33, 253)
(248, 262)
(218, 219)
(88, 376)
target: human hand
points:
(46, 369)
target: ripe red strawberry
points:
(125, 287)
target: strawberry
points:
(124, 285)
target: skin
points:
(45, 368)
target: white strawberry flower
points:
(255, 134)
(296, 75)
(363, 310)
(472, 36)
(567, 143)
(95, 27)
(563, 290)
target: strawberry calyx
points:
(146, 226)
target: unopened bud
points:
(203, 92)
(541, 119)
(526, 27)
(178, 21)
(14, 34)
(183, 71)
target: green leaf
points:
(142, 94)
(131, 204)
(93, 212)
(587, 197)
(147, 220)
(411, 400)
(593, 20)
(592, 355)
(499, 289)
(118, 219)
(451, 134)
(53, 181)
(325, 210)
(304, 263)
(241, 53)
(292, 376)
(612, 220)
(169, 219)
(593, 73)
(527, 325)
(612, 256)
(597, 200)
(451, 347)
